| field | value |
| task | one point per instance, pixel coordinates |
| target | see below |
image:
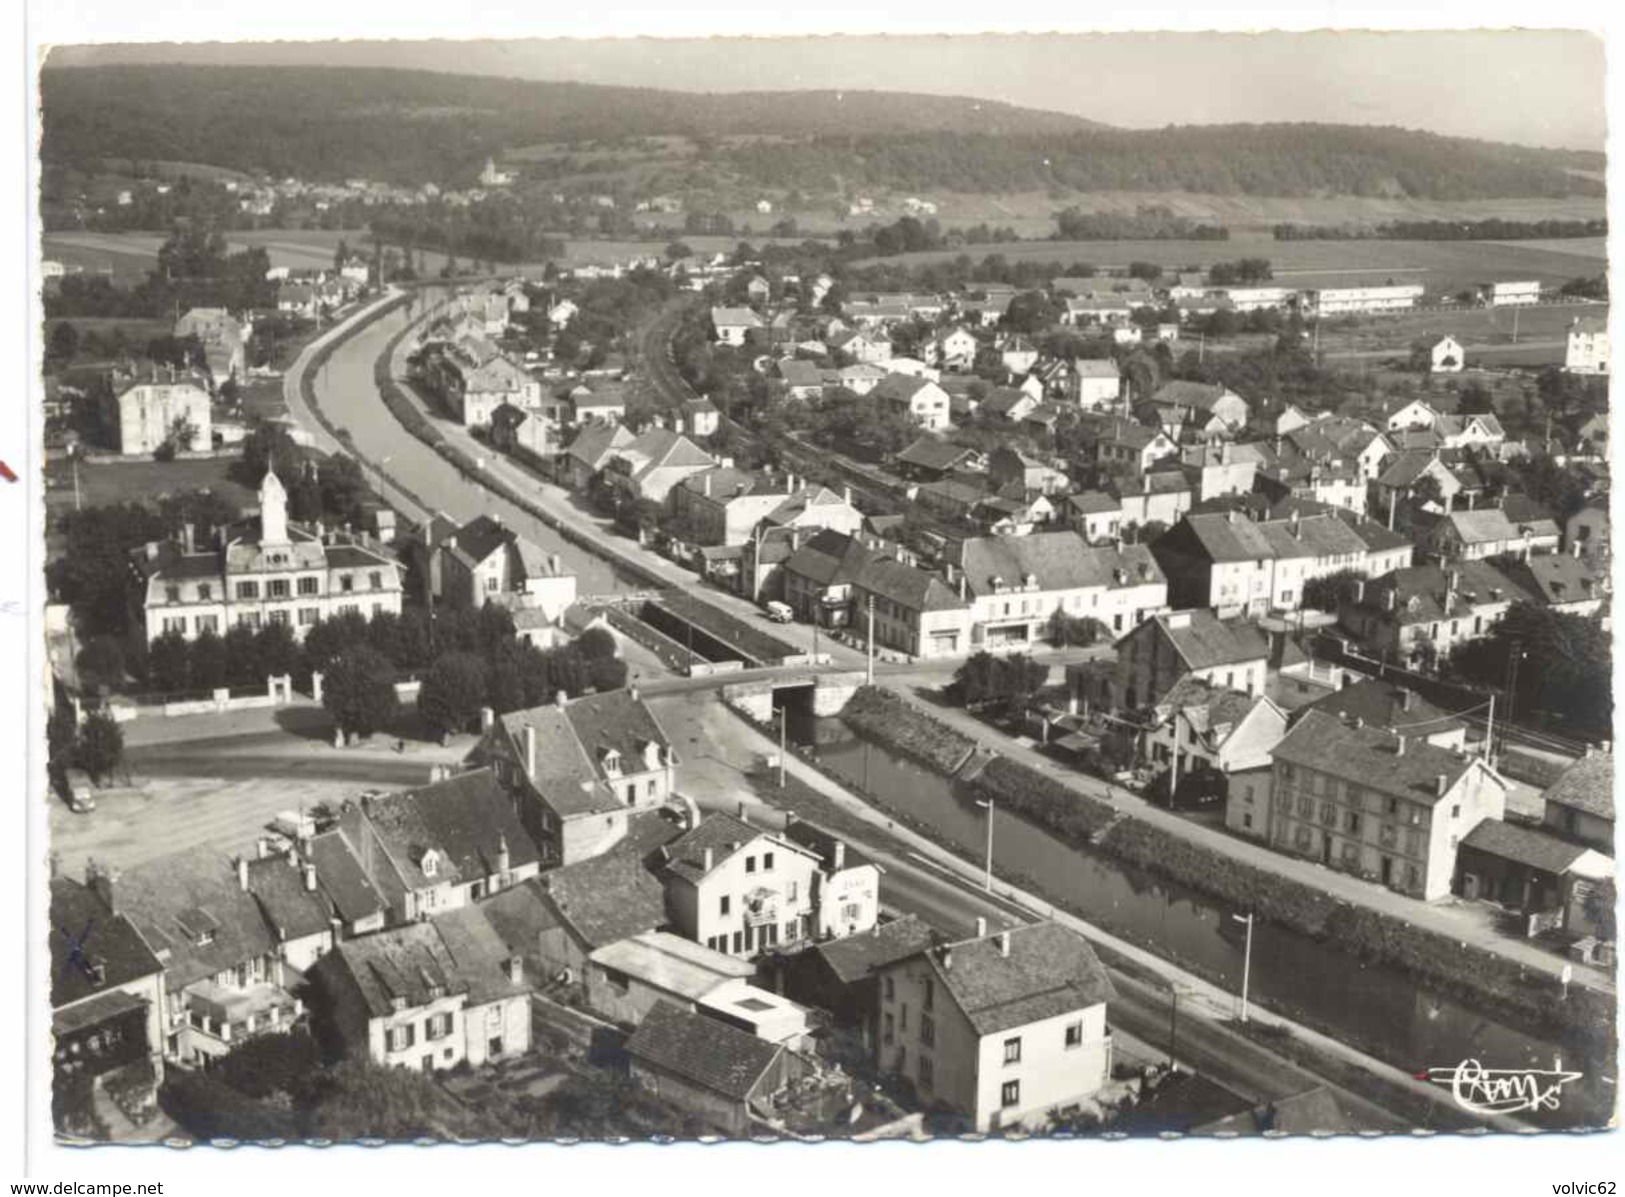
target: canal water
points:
(1377, 1009)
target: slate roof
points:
(900, 388)
(1406, 468)
(1093, 502)
(1587, 785)
(1096, 368)
(1051, 970)
(615, 719)
(822, 845)
(108, 939)
(1476, 585)
(1524, 845)
(1483, 526)
(1369, 757)
(702, 1050)
(1311, 536)
(1556, 578)
(1223, 538)
(479, 954)
(464, 818)
(566, 777)
(735, 317)
(606, 898)
(519, 914)
(342, 879)
(799, 373)
(854, 957)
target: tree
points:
(100, 745)
(1564, 671)
(1330, 591)
(208, 663)
(452, 693)
(595, 643)
(359, 1099)
(358, 690)
(1065, 630)
(64, 344)
(168, 663)
(1598, 907)
(1426, 489)
(101, 662)
(276, 651)
(1475, 400)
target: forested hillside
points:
(324, 123)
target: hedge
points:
(883, 716)
(1076, 817)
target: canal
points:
(347, 394)
(1377, 1009)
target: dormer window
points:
(612, 762)
(430, 864)
(397, 1004)
(172, 594)
(205, 938)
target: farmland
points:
(1438, 265)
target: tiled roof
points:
(1556, 578)
(830, 558)
(1200, 395)
(1096, 368)
(1093, 502)
(722, 835)
(1229, 537)
(1524, 845)
(278, 885)
(854, 957)
(410, 963)
(1587, 785)
(933, 453)
(566, 777)
(618, 720)
(479, 953)
(465, 818)
(1205, 640)
(735, 317)
(1478, 583)
(1311, 536)
(1381, 703)
(702, 1050)
(1485, 525)
(342, 879)
(900, 388)
(79, 917)
(1050, 970)
(912, 588)
(822, 845)
(1369, 757)
(192, 903)
(606, 898)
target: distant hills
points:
(328, 123)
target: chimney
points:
(1359, 723)
(1406, 697)
(1452, 580)
(1399, 745)
(981, 927)
(947, 960)
(840, 856)
(1296, 535)
(708, 860)
(744, 816)
(555, 564)
(1230, 516)
(308, 870)
(1391, 598)
(488, 718)
(516, 970)
(1359, 590)
(560, 699)
(1441, 783)
(530, 750)
(103, 879)
(705, 481)
(242, 873)
(846, 495)
(1004, 943)
(502, 854)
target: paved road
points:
(347, 394)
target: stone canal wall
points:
(1492, 982)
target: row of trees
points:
(1492, 229)
(1149, 222)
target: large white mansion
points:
(276, 573)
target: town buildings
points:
(1003, 1029)
(277, 572)
(1385, 806)
(1586, 351)
(163, 410)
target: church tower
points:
(273, 510)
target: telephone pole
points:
(869, 670)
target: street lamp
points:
(988, 883)
(1246, 961)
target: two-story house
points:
(224, 967)
(911, 610)
(733, 325)
(920, 398)
(107, 998)
(577, 770)
(1168, 647)
(740, 889)
(428, 996)
(1385, 806)
(1417, 615)
(1018, 583)
(441, 846)
(487, 561)
(1003, 1029)
(820, 573)
(1207, 400)
(1219, 738)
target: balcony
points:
(231, 1015)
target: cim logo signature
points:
(1501, 1090)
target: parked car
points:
(80, 794)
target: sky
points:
(1533, 87)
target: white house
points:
(1587, 349)
(1446, 356)
(733, 325)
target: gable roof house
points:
(651, 464)
(1003, 1030)
(440, 846)
(1580, 803)
(1388, 807)
(1378, 702)
(486, 561)
(928, 458)
(226, 977)
(917, 397)
(590, 904)
(842, 975)
(1209, 399)
(733, 325)
(724, 1077)
(1017, 583)
(108, 1012)
(579, 769)
(915, 612)
(1420, 613)
(1560, 581)
(1488, 532)
(1170, 646)
(1134, 445)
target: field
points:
(102, 483)
(1439, 265)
